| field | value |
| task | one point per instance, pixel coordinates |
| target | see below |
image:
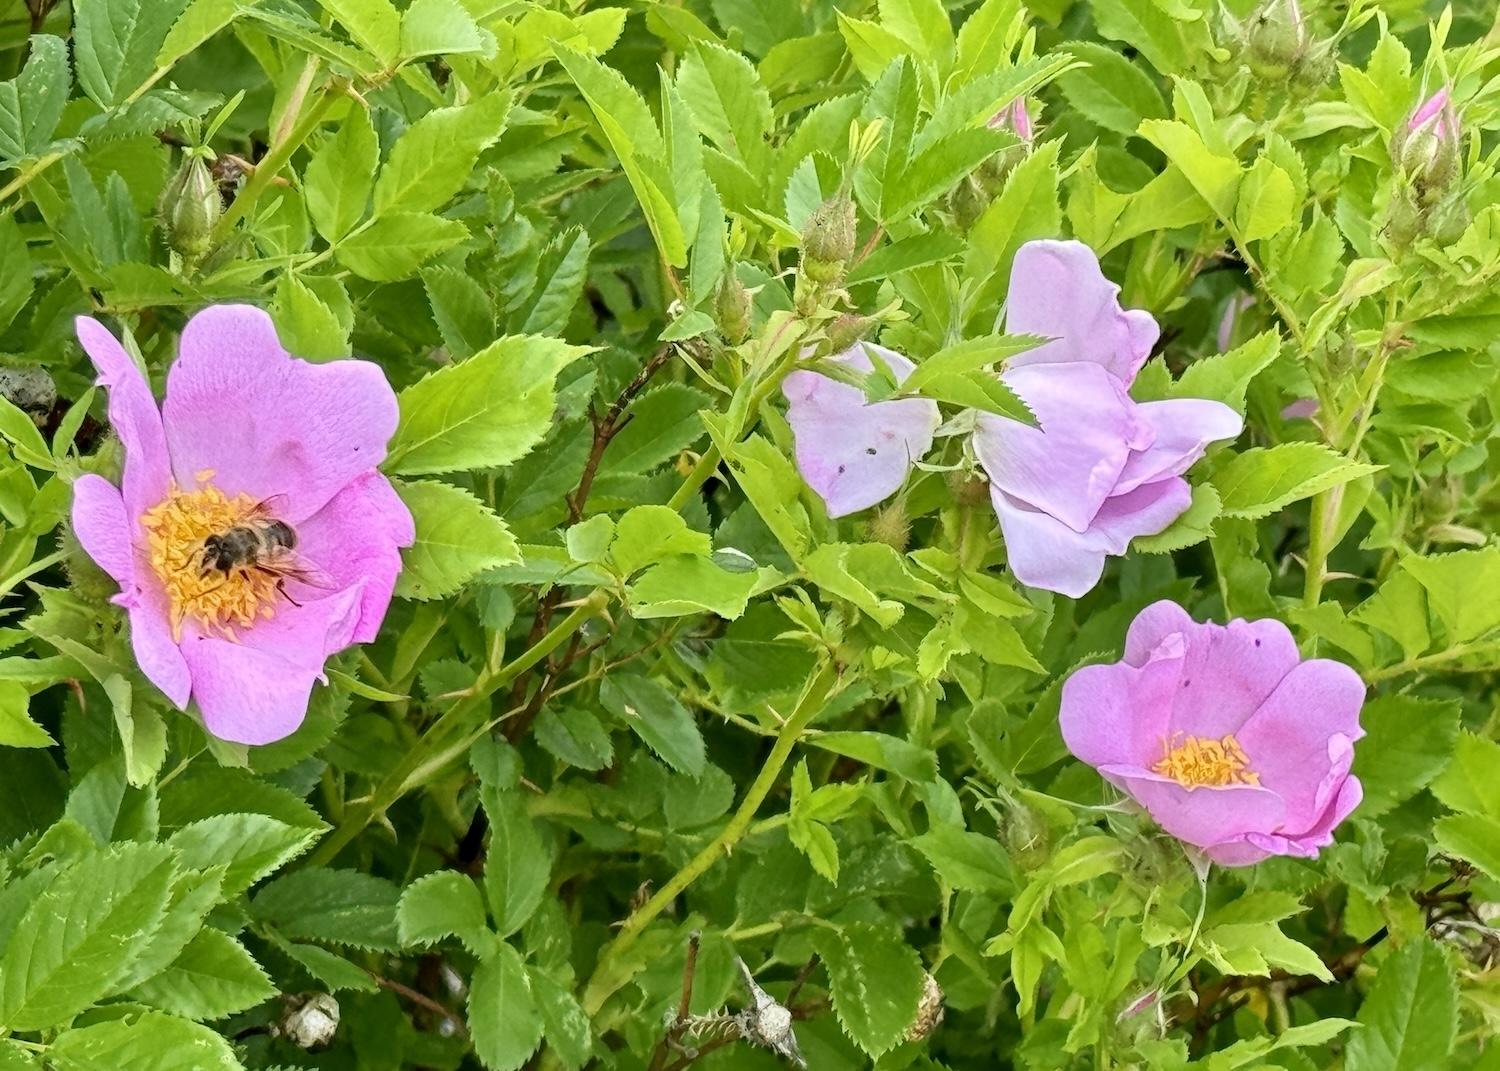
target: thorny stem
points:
(614, 970)
(394, 785)
(684, 1003)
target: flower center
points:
(197, 582)
(1200, 760)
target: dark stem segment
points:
(684, 1005)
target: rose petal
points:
(103, 526)
(855, 453)
(1287, 738)
(1116, 714)
(1069, 464)
(1205, 815)
(1184, 427)
(1058, 290)
(1144, 511)
(156, 652)
(1153, 625)
(268, 425)
(1045, 553)
(255, 690)
(357, 537)
(133, 415)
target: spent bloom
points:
(1098, 470)
(251, 535)
(1230, 741)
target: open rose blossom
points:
(1227, 738)
(1098, 470)
(251, 536)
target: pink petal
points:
(1045, 553)
(1253, 847)
(267, 424)
(103, 526)
(1068, 465)
(1184, 427)
(855, 453)
(1205, 815)
(1058, 290)
(1229, 670)
(156, 652)
(1116, 714)
(357, 537)
(1288, 740)
(1430, 108)
(1144, 511)
(1151, 626)
(255, 690)
(133, 415)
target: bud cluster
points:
(1279, 47)
(1427, 156)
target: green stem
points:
(271, 164)
(37, 167)
(1437, 658)
(437, 736)
(613, 970)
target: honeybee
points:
(263, 543)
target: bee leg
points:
(281, 587)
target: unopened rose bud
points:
(1450, 220)
(732, 307)
(1275, 39)
(310, 1020)
(190, 207)
(1425, 149)
(828, 239)
(929, 1010)
(1403, 219)
(1015, 118)
(968, 489)
(846, 330)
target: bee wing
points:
(292, 566)
(272, 507)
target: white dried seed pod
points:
(929, 1010)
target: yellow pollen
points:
(175, 530)
(1201, 760)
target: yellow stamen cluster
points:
(1201, 760)
(175, 530)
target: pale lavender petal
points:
(356, 538)
(300, 430)
(103, 526)
(1145, 511)
(1301, 409)
(1229, 672)
(255, 690)
(1116, 714)
(133, 415)
(1069, 464)
(1184, 427)
(1151, 626)
(1058, 290)
(855, 453)
(1288, 738)
(1045, 553)
(1204, 815)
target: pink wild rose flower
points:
(248, 440)
(1099, 469)
(1229, 740)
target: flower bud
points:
(1016, 119)
(1425, 149)
(828, 239)
(1449, 220)
(968, 489)
(846, 330)
(1275, 39)
(891, 525)
(190, 206)
(1403, 218)
(732, 307)
(929, 1010)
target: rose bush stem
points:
(613, 969)
(394, 785)
(268, 166)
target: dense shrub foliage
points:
(713, 721)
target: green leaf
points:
(518, 866)
(442, 904)
(1472, 837)
(967, 861)
(16, 727)
(306, 325)
(503, 1018)
(1463, 590)
(575, 736)
(397, 244)
(458, 537)
(485, 412)
(250, 845)
(435, 157)
(1261, 481)
(143, 1041)
(1410, 1016)
(115, 43)
(688, 584)
(341, 175)
(649, 534)
(213, 977)
(1267, 201)
(374, 24)
(1027, 208)
(663, 422)
(465, 314)
(876, 979)
(440, 27)
(340, 907)
(79, 937)
(1408, 741)
(560, 278)
(730, 106)
(1214, 175)
(1190, 528)
(1111, 91)
(1469, 783)
(569, 1033)
(657, 717)
(32, 103)
(17, 284)
(1224, 377)
(880, 750)
(329, 968)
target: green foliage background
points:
(637, 685)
